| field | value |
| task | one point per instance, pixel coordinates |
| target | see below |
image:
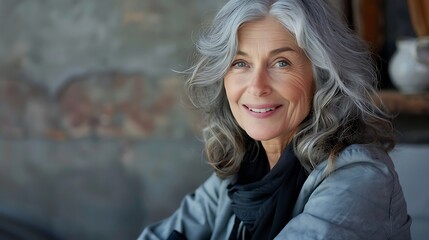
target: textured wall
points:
(50, 41)
(97, 188)
(94, 143)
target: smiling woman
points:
(270, 85)
(297, 143)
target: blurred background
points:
(94, 143)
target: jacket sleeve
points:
(194, 218)
(354, 202)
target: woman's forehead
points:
(264, 31)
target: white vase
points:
(409, 66)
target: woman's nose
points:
(259, 84)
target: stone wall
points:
(103, 105)
(94, 140)
(91, 188)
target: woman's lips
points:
(261, 111)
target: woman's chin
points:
(260, 136)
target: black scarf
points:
(262, 199)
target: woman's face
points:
(270, 84)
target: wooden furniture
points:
(411, 115)
(409, 104)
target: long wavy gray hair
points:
(343, 110)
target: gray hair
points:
(343, 110)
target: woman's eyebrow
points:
(272, 52)
(239, 52)
(281, 50)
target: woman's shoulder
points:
(363, 184)
(359, 156)
(215, 180)
(364, 153)
(215, 185)
(359, 168)
(369, 163)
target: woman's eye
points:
(282, 63)
(239, 64)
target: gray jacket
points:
(361, 199)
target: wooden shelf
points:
(400, 103)
(411, 111)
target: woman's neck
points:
(273, 152)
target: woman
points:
(298, 146)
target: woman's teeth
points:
(262, 110)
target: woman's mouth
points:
(261, 111)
